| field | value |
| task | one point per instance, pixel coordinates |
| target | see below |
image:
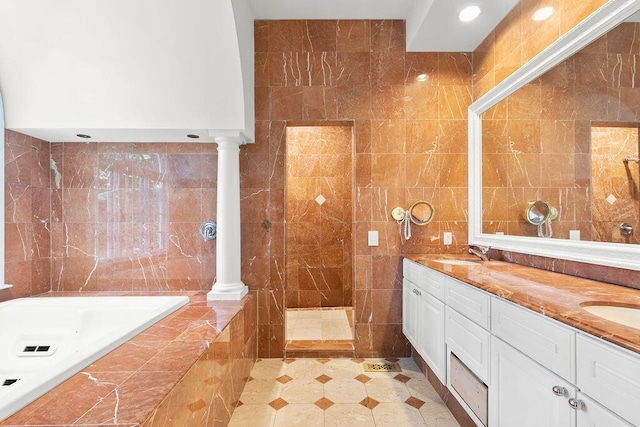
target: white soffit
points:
(440, 30)
(332, 9)
(432, 25)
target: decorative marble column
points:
(228, 284)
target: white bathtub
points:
(44, 341)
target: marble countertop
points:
(555, 295)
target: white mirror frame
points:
(602, 253)
(2, 284)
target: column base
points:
(228, 293)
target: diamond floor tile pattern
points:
(337, 392)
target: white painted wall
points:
(127, 69)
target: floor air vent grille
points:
(381, 367)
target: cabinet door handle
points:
(558, 390)
(576, 403)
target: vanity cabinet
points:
(532, 370)
(423, 322)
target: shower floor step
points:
(320, 348)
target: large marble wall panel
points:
(127, 216)
(410, 144)
(27, 216)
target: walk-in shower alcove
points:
(319, 244)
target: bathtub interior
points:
(44, 341)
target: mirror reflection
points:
(569, 138)
(421, 212)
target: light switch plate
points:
(373, 238)
(447, 238)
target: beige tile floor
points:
(318, 324)
(337, 392)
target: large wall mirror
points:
(2, 284)
(554, 149)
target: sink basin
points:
(456, 262)
(629, 316)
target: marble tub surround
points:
(555, 295)
(187, 369)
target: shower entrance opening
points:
(319, 243)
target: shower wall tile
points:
(402, 131)
(27, 216)
(127, 216)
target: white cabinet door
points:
(423, 325)
(610, 375)
(594, 415)
(430, 332)
(522, 392)
(410, 302)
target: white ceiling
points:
(432, 25)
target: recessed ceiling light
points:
(469, 13)
(422, 77)
(82, 135)
(542, 14)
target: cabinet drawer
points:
(470, 302)
(469, 342)
(609, 375)
(411, 270)
(545, 341)
(432, 282)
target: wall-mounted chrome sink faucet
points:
(480, 251)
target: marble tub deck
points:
(173, 373)
(555, 295)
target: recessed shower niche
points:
(318, 232)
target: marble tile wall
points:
(27, 216)
(518, 38)
(126, 217)
(410, 144)
(319, 216)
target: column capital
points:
(228, 140)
